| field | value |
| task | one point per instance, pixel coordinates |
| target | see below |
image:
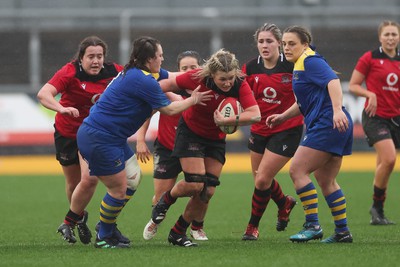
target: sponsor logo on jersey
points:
(269, 95)
(269, 92)
(95, 98)
(391, 80)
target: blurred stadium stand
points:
(40, 36)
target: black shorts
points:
(165, 165)
(188, 144)
(377, 128)
(284, 143)
(66, 150)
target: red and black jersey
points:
(81, 91)
(199, 118)
(272, 89)
(382, 76)
(167, 126)
(167, 130)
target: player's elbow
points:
(352, 88)
(40, 96)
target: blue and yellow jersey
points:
(127, 102)
(311, 75)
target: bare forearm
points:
(46, 98)
(141, 133)
(358, 90)
(249, 116)
(335, 93)
(291, 112)
(177, 107)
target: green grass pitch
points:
(33, 207)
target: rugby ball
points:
(229, 107)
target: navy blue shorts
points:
(321, 136)
(106, 154)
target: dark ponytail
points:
(143, 49)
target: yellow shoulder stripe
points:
(299, 65)
(155, 75)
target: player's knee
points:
(212, 182)
(209, 187)
(133, 173)
(210, 192)
(134, 181)
(89, 181)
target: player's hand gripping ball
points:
(229, 107)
